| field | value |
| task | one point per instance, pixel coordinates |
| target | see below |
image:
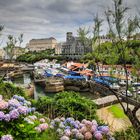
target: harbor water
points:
(40, 91)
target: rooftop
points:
(50, 38)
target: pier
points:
(106, 101)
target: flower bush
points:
(70, 128)
(19, 120)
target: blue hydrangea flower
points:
(33, 109)
(67, 127)
(14, 114)
(22, 110)
(7, 117)
(1, 115)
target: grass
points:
(117, 111)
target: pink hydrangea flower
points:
(6, 137)
(81, 125)
(57, 120)
(67, 132)
(64, 138)
(38, 129)
(80, 136)
(84, 121)
(14, 114)
(83, 130)
(33, 117)
(14, 103)
(43, 126)
(105, 129)
(98, 135)
(94, 122)
(22, 110)
(77, 122)
(3, 105)
(74, 131)
(1, 97)
(42, 120)
(93, 128)
(62, 119)
(7, 117)
(88, 136)
(88, 124)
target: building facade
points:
(103, 39)
(41, 44)
(116, 71)
(72, 48)
(58, 49)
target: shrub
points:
(18, 121)
(8, 90)
(32, 57)
(67, 104)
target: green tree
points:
(11, 44)
(9, 49)
(83, 34)
(121, 29)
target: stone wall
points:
(86, 86)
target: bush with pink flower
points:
(70, 128)
(18, 119)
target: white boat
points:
(114, 86)
(136, 84)
(138, 92)
(129, 94)
(122, 83)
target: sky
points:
(51, 18)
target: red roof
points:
(86, 72)
(77, 65)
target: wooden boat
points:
(54, 85)
(15, 74)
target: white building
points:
(58, 49)
(42, 44)
(116, 71)
(103, 39)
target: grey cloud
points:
(44, 18)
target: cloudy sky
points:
(46, 18)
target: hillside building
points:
(41, 44)
(72, 48)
